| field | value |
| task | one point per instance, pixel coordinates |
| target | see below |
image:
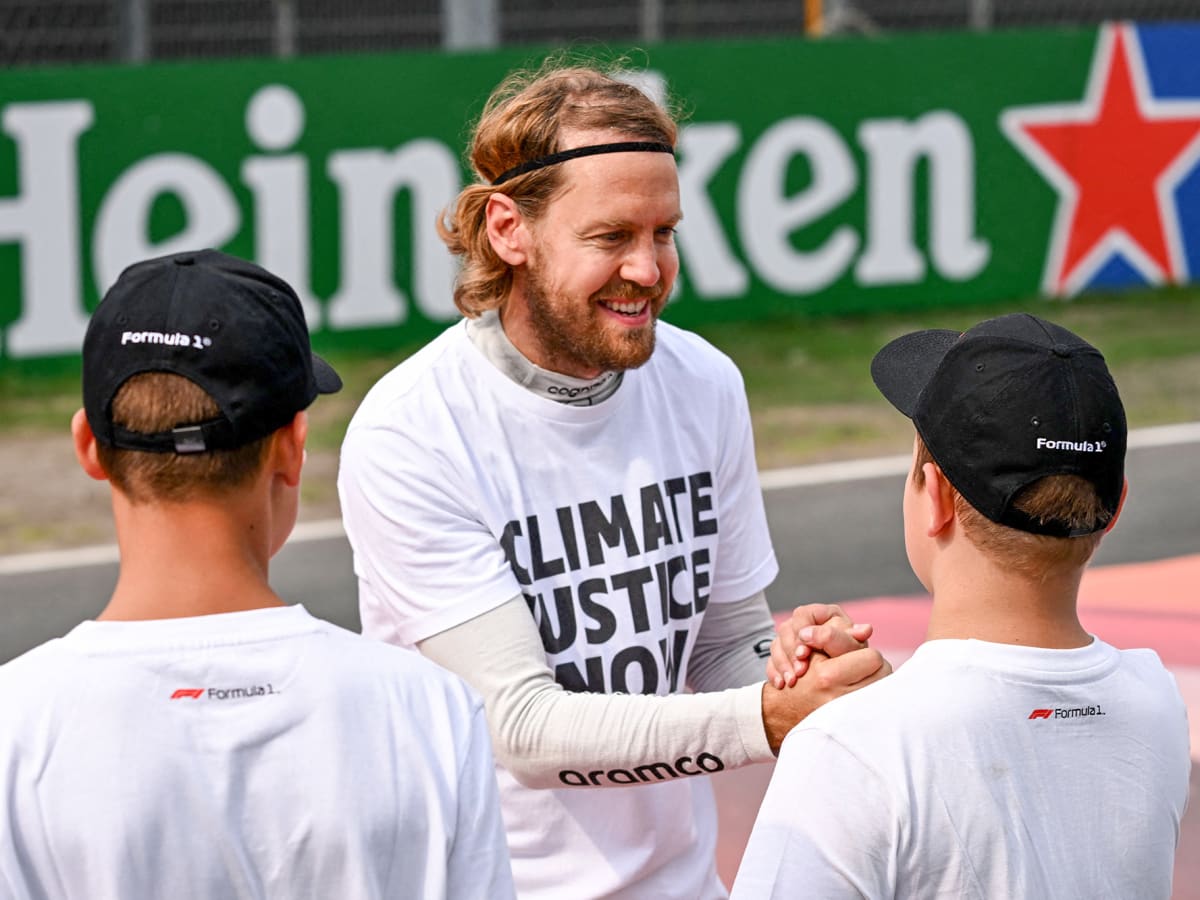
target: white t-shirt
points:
(981, 770)
(618, 522)
(258, 754)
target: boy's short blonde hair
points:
(159, 401)
(1063, 498)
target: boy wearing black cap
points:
(200, 738)
(1014, 755)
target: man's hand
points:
(826, 679)
(816, 626)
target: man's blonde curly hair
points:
(522, 121)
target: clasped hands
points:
(818, 654)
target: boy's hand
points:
(815, 626)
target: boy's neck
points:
(985, 603)
(189, 559)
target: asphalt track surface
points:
(836, 531)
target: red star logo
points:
(1115, 159)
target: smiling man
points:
(557, 499)
(592, 274)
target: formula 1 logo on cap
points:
(178, 339)
(1076, 446)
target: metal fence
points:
(84, 31)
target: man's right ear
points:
(85, 447)
(506, 229)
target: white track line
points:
(23, 563)
(773, 479)
(863, 469)
(831, 473)
(1165, 435)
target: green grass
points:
(803, 361)
(812, 397)
(33, 398)
(807, 377)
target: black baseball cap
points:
(229, 326)
(1012, 400)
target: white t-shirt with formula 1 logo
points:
(981, 770)
(249, 755)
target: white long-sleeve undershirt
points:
(540, 730)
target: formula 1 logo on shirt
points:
(1072, 712)
(236, 693)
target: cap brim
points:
(328, 381)
(903, 367)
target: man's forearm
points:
(549, 737)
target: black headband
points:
(562, 156)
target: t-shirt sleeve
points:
(732, 646)
(424, 560)
(746, 561)
(478, 864)
(825, 828)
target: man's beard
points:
(575, 336)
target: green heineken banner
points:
(823, 176)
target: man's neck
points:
(488, 335)
(188, 559)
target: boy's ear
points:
(940, 497)
(85, 447)
(1120, 506)
(506, 229)
(287, 448)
